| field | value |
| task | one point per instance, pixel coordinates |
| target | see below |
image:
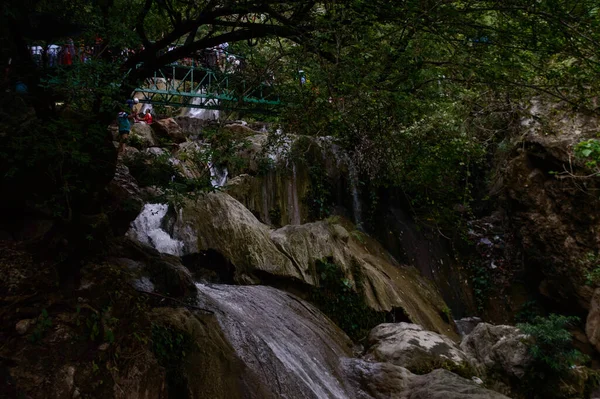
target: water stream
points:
(147, 229)
(291, 346)
(218, 176)
(343, 159)
(201, 113)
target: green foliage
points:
(552, 352)
(305, 152)
(528, 312)
(159, 171)
(591, 263)
(341, 300)
(152, 170)
(43, 323)
(99, 326)
(481, 282)
(589, 151)
(170, 346)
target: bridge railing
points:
(201, 87)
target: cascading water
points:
(146, 107)
(343, 159)
(218, 176)
(293, 203)
(146, 228)
(201, 113)
(291, 346)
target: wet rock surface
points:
(218, 222)
(292, 348)
(416, 349)
(124, 199)
(385, 380)
(168, 130)
(143, 134)
(498, 349)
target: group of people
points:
(216, 57)
(65, 54)
(124, 120)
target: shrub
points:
(341, 300)
(589, 151)
(170, 347)
(554, 357)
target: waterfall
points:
(146, 228)
(342, 158)
(293, 203)
(146, 107)
(201, 113)
(285, 341)
(218, 176)
(281, 149)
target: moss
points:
(341, 300)
(170, 347)
(427, 365)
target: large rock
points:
(165, 271)
(553, 214)
(124, 199)
(500, 350)
(191, 159)
(273, 186)
(289, 345)
(218, 222)
(387, 381)
(386, 284)
(168, 130)
(276, 197)
(592, 324)
(144, 134)
(420, 351)
(211, 368)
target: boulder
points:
(191, 127)
(210, 367)
(192, 160)
(498, 349)
(168, 130)
(388, 381)
(420, 351)
(466, 325)
(239, 130)
(442, 384)
(592, 324)
(553, 215)
(277, 197)
(143, 134)
(217, 222)
(386, 285)
(165, 271)
(290, 346)
(124, 199)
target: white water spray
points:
(201, 113)
(146, 228)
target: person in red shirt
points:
(148, 117)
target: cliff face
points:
(547, 215)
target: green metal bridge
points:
(200, 87)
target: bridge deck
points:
(199, 87)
